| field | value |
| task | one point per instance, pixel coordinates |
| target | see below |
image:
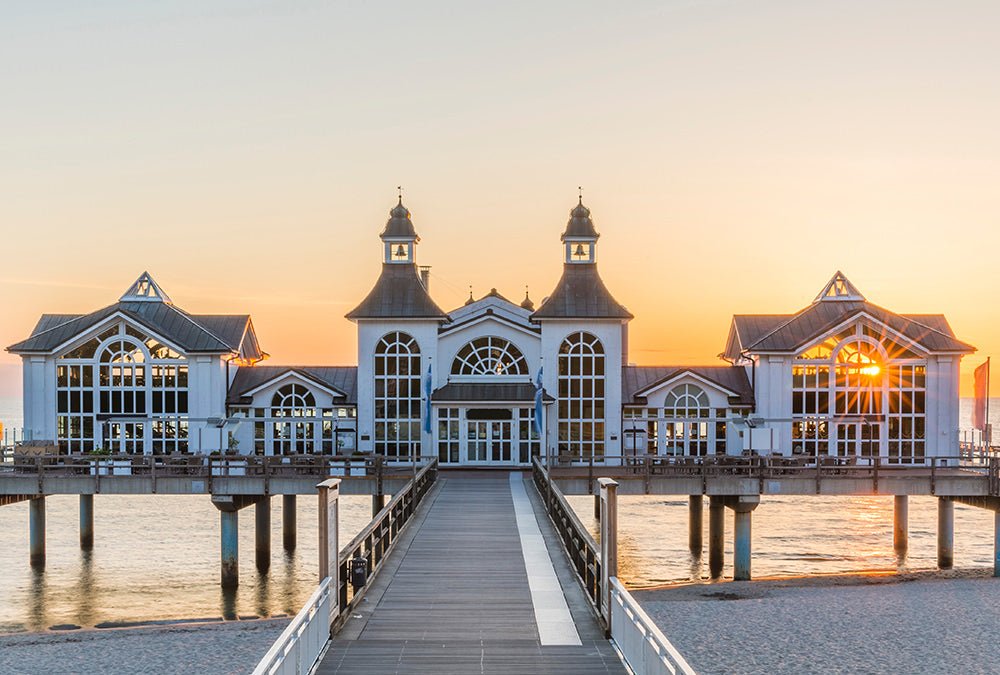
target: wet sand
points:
(915, 622)
(224, 648)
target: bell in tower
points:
(580, 237)
(399, 238)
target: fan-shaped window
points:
(489, 356)
(293, 400)
(296, 435)
(686, 400)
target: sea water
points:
(157, 558)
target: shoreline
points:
(211, 623)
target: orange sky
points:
(734, 155)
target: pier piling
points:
(741, 548)
(695, 512)
(996, 543)
(262, 531)
(899, 525)
(36, 525)
(230, 549)
(86, 522)
(946, 533)
(288, 521)
(716, 536)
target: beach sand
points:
(915, 622)
(223, 648)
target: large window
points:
(489, 356)
(122, 390)
(397, 396)
(581, 396)
(859, 394)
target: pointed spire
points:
(839, 288)
(471, 299)
(145, 290)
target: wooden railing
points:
(375, 541)
(583, 552)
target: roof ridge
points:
(190, 318)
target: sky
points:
(734, 156)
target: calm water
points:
(156, 558)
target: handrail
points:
(583, 551)
(376, 540)
(643, 645)
(300, 644)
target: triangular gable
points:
(680, 374)
(887, 333)
(144, 289)
(293, 373)
(476, 320)
(839, 288)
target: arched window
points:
(397, 396)
(581, 396)
(489, 356)
(293, 408)
(686, 428)
(122, 390)
(859, 393)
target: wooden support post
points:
(716, 536)
(230, 548)
(597, 507)
(288, 521)
(899, 525)
(36, 526)
(86, 522)
(946, 533)
(695, 511)
(609, 543)
(262, 532)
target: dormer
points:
(399, 239)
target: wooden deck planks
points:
(459, 601)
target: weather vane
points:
(580, 188)
(400, 188)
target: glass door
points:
(489, 442)
(477, 441)
(501, 442)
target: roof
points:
(793, 332)
(580, 294)
(636, 379)
(399, 224)
(190, 332)
(398, 294)
(580, 224)
(487, 392)
(338, 378)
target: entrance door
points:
(489, 441)
(858, 439)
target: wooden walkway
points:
(454, 596)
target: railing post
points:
(609, 543)
(329, 546)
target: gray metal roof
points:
(191, 333)
(398, 294)
(399, 223)
(338, 378)
(580, 294)
(639, 378)
(487, 392)
(580, 224)
(793, 332)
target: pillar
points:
(288, 521)
(946, 533)
(230, 549)
(86, 522)
(695, 511)
(609, 542)
(378, 503)
(262, 531)
(899, 525)
(716, 535)
(741, 548)
(36, 525)
(996, 543)
(597, 507)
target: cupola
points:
(580, 237)
(399, 239)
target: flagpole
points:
(989, 429)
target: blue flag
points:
(538, 403)
(428, 388)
